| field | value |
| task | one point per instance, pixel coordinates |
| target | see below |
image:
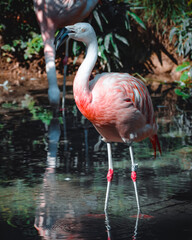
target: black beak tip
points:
(61, 38)
(57, 44)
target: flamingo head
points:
(82, 32)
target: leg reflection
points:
(108, 226)
(136, 226)
(53, 139)
(44, 217)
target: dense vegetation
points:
(122, 27)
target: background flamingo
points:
(52, 15)
(118, 105)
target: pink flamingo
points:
(118, 104)
(52, 15)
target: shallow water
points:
(53, 182)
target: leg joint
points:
(134, 167)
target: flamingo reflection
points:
(60, 214)
(52, 220)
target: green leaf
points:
(98, 20)
(103, 16)
(182, 94)
(107, 41)
(8, 48)
(184, 76)
(122, 39)
(26, 56)
(16, 42)
(116, 51)
(74, 48)
(173, 32)
(9, 223)
(101, 53)
(183, 67)
(137, 19)
(2, 26)
(187, 47)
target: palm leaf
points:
(137, 19)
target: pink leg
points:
(48, 35)
(109, 175)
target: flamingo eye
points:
(83, 30)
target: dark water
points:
(53, 182)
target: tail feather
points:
(155, 142)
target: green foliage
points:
(181, 93)
(183, 33)
(38, 113)
(18, 18)
(10, 105)
(2, 27)
(28, 48)
(18, 26)
(161, 13)
(185, 83)
(41, 114)
(137, 19)
(107, 45)
(112, 22)
(8, 48)
(18, 200)
(28, 102)
(33, 46)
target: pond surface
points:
(53, 181)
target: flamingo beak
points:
(61, 38)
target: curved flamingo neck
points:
(81, 83)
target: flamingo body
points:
(52, 14)
(120, 107)
(59, 13)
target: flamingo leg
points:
(49, 52)
(134, 176)
(65, 72)
(109, 175)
